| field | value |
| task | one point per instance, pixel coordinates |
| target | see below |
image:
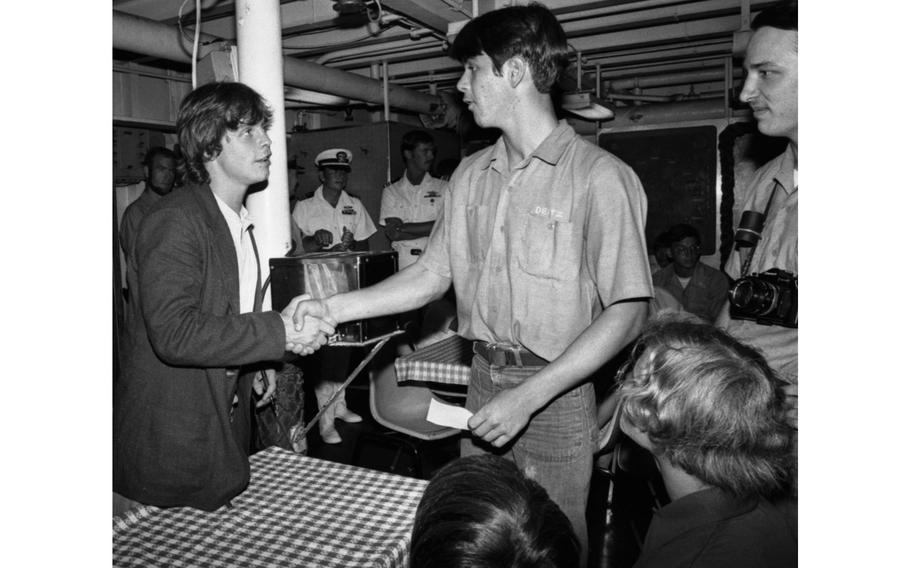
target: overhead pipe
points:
(323, 39)
(617, 72)
(641, 97)
(663, 80)
(558, 7)
(634, 57)
(585, 22)
(146, 36)
(376, 51)
(401, 59)
(336, 82)
(686, 30)
(662, 113)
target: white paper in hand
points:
(448, 415)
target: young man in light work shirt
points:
(542, 235)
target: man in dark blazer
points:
(182, 402)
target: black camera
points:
(768, 298)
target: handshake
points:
(307, 324)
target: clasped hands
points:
(392, 227)
(307, 325)
(324, 239)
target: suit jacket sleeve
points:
(185, 293)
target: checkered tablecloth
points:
(297, 511)
(447, 361)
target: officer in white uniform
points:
(333, 220)
(409, 209)
(410, 204)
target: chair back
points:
(403, 408)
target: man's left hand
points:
(501, 419)
(266, 391)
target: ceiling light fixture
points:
(585, 103)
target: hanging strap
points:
(747, 258)
(260, 289)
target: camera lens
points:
(754, 296)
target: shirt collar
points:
(150, 193)
(319, 194)
(700, 508)
(550, 150)
(234, 221)
(784, 175)
(407, 180)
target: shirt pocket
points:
(550, 248)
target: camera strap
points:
(747, 254)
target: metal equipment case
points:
(323, 274)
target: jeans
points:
(557, 447)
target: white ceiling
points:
(668, 49)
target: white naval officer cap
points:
(335, 157)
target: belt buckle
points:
(504, 356)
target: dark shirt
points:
(705, 294)
(710, 529)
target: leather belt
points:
(505, 356)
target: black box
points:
(323, 274)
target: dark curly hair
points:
(207, 113)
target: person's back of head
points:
(483, 512)
(531, 32)
(207, 113)
(710, 405)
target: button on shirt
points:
(776, 249)
(316, 213)
(537, 252)
(412, 204)
(240, 227)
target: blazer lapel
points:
(222, 244)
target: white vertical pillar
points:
(260, 65)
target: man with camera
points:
(763, 307)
